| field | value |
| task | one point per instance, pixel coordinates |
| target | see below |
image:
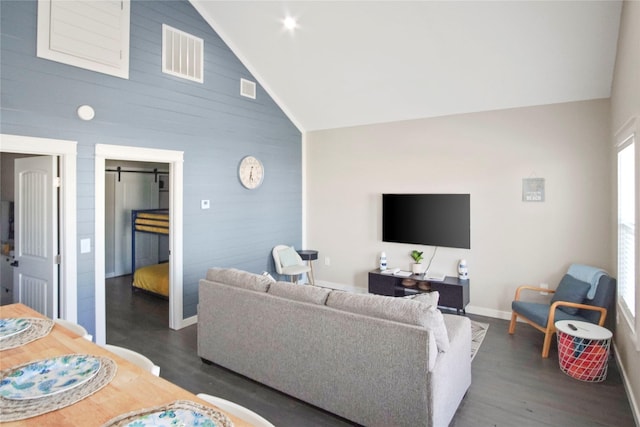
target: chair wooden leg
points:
(547, 344)
(512, 325)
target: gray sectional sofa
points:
(375, 360)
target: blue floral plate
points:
(183, 413)
(173, 418)
(49, 376)
(12, 326)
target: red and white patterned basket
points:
(585, 359)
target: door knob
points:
(14, 263)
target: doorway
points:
(175, 161)
(66, 152)
(130, 187)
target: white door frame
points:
(175, 160)
(67, 152)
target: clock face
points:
(251, 172)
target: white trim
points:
(189, 321)
(175, 160)
(67, 152)
(624, 136)
(627, 386)
(305, 191)
(341, 287)
(626, 131)
(489, 312)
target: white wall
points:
(484, 154)
(625, 104)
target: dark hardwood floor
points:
(512, 385)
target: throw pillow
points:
(571, 289)
(429, 298)
(288, 257)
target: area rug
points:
(478, 332)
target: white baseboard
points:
(627, 387)
(188, 321)
(341, 287)
(489, 312)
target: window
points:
(627, 232)
(88, 34)
(626, 226)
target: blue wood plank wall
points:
(210, 122)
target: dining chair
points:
(236, 410)
(134, 357)
(288, 262)
(75, 327)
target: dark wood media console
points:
(454, 293)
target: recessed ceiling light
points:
(290, 23)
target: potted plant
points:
(417, 265)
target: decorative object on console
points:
(383, 261)
(417, 262)
(409, 283)
(463, 272)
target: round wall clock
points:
(251, 172)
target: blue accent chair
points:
(543, 316)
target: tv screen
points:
(427, 219)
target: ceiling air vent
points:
(248, 88)
(182, 54)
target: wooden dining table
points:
(131, 389)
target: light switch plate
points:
(204, 204)
(85, 246)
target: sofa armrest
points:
(452, 374)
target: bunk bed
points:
(151, 278)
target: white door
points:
(36, 233)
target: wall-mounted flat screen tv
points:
(427, 219)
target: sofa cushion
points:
(396, 309)
(571, 289)
(303, 293)
(239, 278)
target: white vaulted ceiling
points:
(363, 62)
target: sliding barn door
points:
(131, 191)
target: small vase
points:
(417, 268)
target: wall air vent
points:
(248, 88)
(182, 54)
